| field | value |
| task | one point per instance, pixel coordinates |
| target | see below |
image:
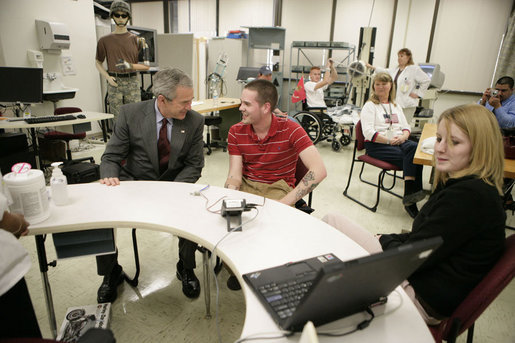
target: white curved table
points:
(279, 234)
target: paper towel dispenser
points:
(53, 36)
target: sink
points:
(54, 89)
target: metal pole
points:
(433, 27)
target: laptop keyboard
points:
(284, 297)
(49, 119)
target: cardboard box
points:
(80, 319)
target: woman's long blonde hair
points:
(487, 154)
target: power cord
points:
(361, 326)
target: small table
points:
(207, 105)
(427, 159)
(229, 111)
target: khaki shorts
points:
(275, 191)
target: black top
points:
(468, 214)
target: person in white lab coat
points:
(17, 317)
(410, 82)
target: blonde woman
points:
(386, 134)
(465, 209)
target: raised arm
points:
(315, 174)
(330, 75)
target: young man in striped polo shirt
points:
(264, 149)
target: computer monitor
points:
(246, 73)
(434, 73)
(19, 84)
(150, 36)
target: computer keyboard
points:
(49, 119)
(285, 297)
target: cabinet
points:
(271, 39)
(301, 55)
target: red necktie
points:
(163, 147)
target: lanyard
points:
(386, 114)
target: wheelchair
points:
(321, 126)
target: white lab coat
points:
(14, 259)
(411, 80)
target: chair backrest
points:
(66, 110)
(484, 293)
(360, 139)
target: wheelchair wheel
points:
(335, 145)
(345, 140)
(311, 123)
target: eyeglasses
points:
(118, 15)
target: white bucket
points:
(29, 195)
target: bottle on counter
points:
(59, 185)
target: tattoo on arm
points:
(310, 176)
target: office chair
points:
(385, 167)
(65, 136)
(300, 171)
(210, 121)
(478, 299)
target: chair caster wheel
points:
(335, 145)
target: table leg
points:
(35, 147)
(104, 129)
(43, 267)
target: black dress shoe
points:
(233, 284)
(412, 210)
(190, 283)
(108, 289)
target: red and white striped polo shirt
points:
(273, 158)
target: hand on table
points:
(110, 181)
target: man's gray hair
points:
(167, 80)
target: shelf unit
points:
(269, 38)
(337, 90)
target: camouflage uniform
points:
(128, 91)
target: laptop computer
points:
(323, 288)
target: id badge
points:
(405, 86)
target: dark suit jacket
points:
(134, 140)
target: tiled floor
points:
(157, 311)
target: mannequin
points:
(121, 48)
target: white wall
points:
(467, 39)
(412, 29)
(203, 20)
(236, 13)
(18, 33)
(148, 15)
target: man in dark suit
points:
(161, 140)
